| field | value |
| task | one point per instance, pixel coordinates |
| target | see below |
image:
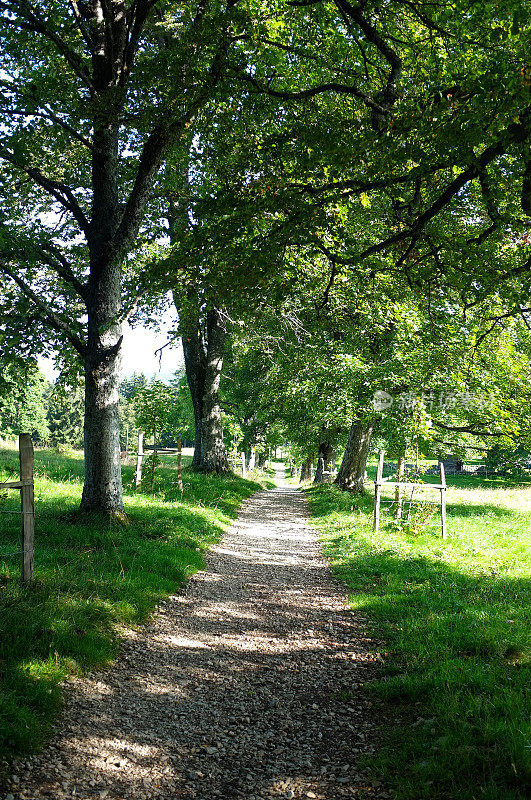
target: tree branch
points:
(35, 24)
(304, 94)
(514, 133)
(57, 261)
(79, 136)
(54, 320)
(153, 151)
(62, 193)
(469, 429)
(81, 24)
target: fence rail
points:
(399, 486)
(27, 504)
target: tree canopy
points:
(349, 183)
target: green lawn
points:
(454, 619)
(91, 577)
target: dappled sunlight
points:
(219, 608)
(455, 617)
(232, 690)
(179, 641)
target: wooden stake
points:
(398, 489)
(139, 459)
(179, 464)
(27, 499)
(377, 491)
(443, 499)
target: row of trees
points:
(335, 196)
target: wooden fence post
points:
(27, 499)
(139, 457)
(378, 491)
(443, 499)
(398, 490)
(179, 464)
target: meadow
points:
(92, 576)
(453, 621)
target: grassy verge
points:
(455, 621)
(91, 577)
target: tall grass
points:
(91, 577)
(454, 619)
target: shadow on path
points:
(238, 687)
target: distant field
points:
(454, 619)
(91, 576)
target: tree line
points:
(334, 198)
(53, 412)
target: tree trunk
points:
(326, 458)
(195, 367)
(352, 470)
(203, 357)
(213, 453)
(102, 490)
(203, 363)
(306, 469)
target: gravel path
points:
(237, 689)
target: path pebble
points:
(246, 685)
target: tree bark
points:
(306, 469)
(326, 458)
(352, 470)
(213, 453)
(203, 359)
(195, 368)
(261, 459)
(102, 490)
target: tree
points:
(419, 162)
(65, 415)
(94, 95)
(128, 388)
(392, 131)
(181, 415)
(152, 412)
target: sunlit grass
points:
(454, 618)
(92, 576)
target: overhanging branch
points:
(56, 322)
(59, 191)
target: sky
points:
(138, 354)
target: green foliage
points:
(23, 390)
(453, 619)
(152, 408)
(181, 414)
(92, 577)
(509, 459)
(65, 415)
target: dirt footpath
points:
(244, 686)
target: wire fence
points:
(26, 509)
(403, 486)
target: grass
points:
(454, 622)
(91, 577)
